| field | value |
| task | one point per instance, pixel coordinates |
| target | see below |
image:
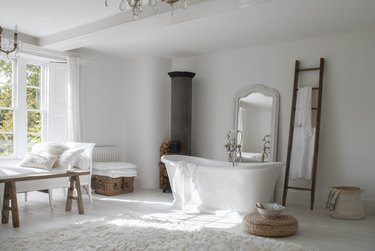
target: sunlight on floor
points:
(201, 220)
(136, 201)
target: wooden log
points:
(164, 150)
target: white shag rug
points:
(141, 233)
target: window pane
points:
(33, 75)
(6, 120)
(5, 96)
(5, 71)
(34, 122)
(33, 98)
(6, 116)
(32, 139)
(6, 144)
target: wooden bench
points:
(10, 191)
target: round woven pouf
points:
(284, 225)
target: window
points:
(22, 105)
(33, 104)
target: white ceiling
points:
(205, 26)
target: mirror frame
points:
(268, 92)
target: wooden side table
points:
(285, 225)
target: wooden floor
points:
(316, 228)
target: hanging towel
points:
(303, 110)
(303, 137)
(332, 198)
(185, 187)
(302, 155)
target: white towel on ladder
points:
(303, 137)
(302, 155)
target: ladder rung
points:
(309, 69)
(300, 188)
(314, 88)
(312, 108)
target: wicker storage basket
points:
(113, 186)
(347, 203)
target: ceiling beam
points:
(121, 25)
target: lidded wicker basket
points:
(113, 186)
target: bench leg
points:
(74, 184)
(10, 197)
(6, 200)
(79, 195)
(50, 191)
(69, 196)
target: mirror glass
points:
(256, 115)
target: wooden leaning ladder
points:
(318, 109)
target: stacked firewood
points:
(164, 150)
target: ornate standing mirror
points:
(256, 115)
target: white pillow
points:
(83, 162)
(69, 157)
(49, 147)
(43, 160)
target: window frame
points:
(43, 98)
(19, 104)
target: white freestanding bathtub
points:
(204, 185)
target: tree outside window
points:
(33, 100)
(6, 108)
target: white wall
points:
(147, 115)
(347, 138)
(102, 99)
(126, 102)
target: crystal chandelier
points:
(8, 46)
(137, 5)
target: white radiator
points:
(105, 154)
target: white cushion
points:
(115, 165)
(43, 160)
(83, 162)
(16, 170)
(49, 147)
(115, 173)
(69, 158)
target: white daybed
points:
(9, 168)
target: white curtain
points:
(74, 116)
